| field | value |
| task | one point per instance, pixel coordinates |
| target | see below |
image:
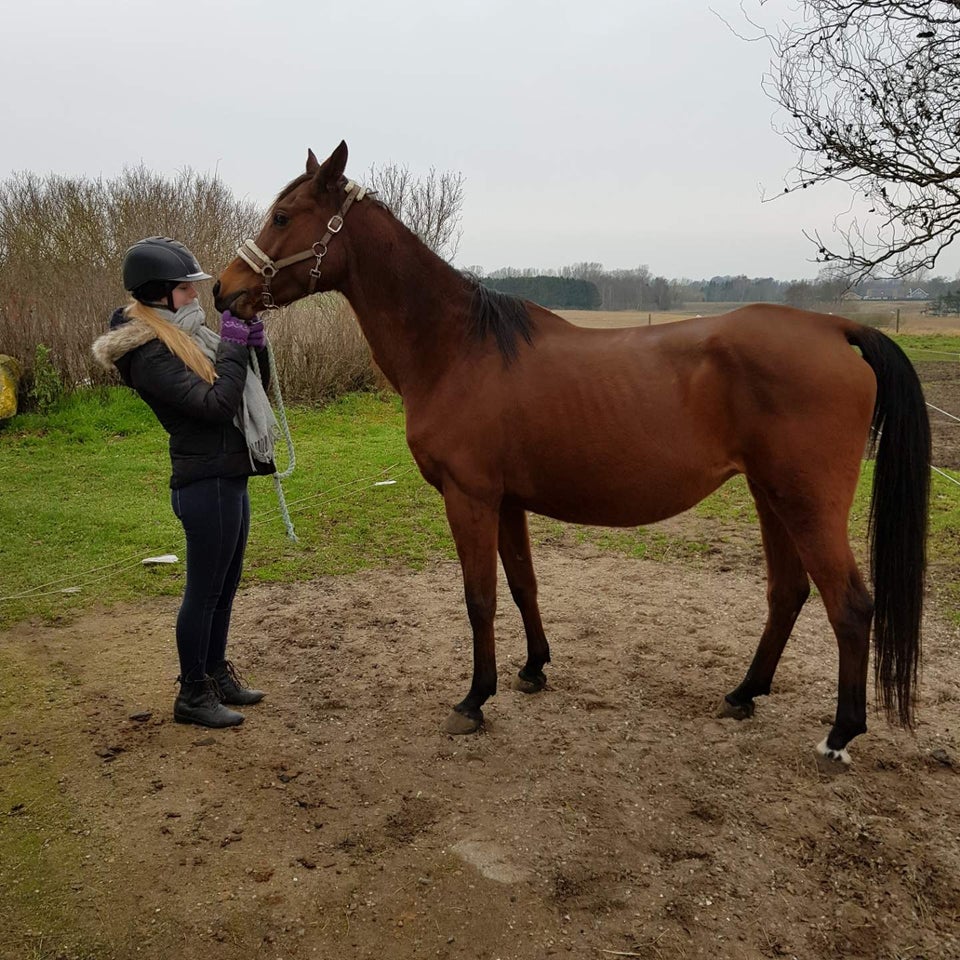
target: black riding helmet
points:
(152, 267)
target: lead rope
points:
(279, 476)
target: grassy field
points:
(86, 498)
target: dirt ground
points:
(613, 815)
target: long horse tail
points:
(899, 509)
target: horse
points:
(510, 409)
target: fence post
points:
(898, 319)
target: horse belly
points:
(621, 483)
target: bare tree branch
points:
(430, 205)
(872, 88)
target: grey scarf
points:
(255, 418)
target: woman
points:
(221, 431)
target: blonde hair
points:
(176, 340)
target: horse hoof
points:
(459, 724)
(831, 762)
(524, 685)
(736, 711)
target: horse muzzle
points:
(237, 299)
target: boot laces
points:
(210, 686)
(234, 674)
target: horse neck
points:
(412, 306)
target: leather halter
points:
(260, 263)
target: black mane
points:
(499, 314)
(491, 312)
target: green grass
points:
(85, 498)
(928, 347)
(643, 543)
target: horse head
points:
(292, 256)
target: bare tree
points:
(872, 88)
(429, 205)
(832, 283)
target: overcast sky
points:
(616, 131)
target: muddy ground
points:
(612, 815)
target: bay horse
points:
(510, 409)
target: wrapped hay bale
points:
(9, 382)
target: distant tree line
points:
(549, 291)
(590, 286)
(587, 286)
(947, 305)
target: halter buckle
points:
(335, 223)
(268, 271)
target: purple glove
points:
(257, 337)
(233, 330)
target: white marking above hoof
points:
(840, 756)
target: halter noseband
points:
(260, 263)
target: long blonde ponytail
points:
(177, 342)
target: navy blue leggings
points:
(215, 515)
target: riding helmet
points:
(161, 263)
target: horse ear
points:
(313, 164)
(331, 170)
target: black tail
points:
(898, 521)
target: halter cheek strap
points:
(260, 262)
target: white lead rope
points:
(946, 476)
(279, 476)
(944, 412)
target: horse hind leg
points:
(820, 535)
(850, 610)
(514, 548)
(787, 590)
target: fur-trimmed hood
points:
(124, 336)
(205, 438)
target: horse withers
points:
(510, 409)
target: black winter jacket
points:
(204, 441)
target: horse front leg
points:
(473, 524)
(514, 546)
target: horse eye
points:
(280, 219)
